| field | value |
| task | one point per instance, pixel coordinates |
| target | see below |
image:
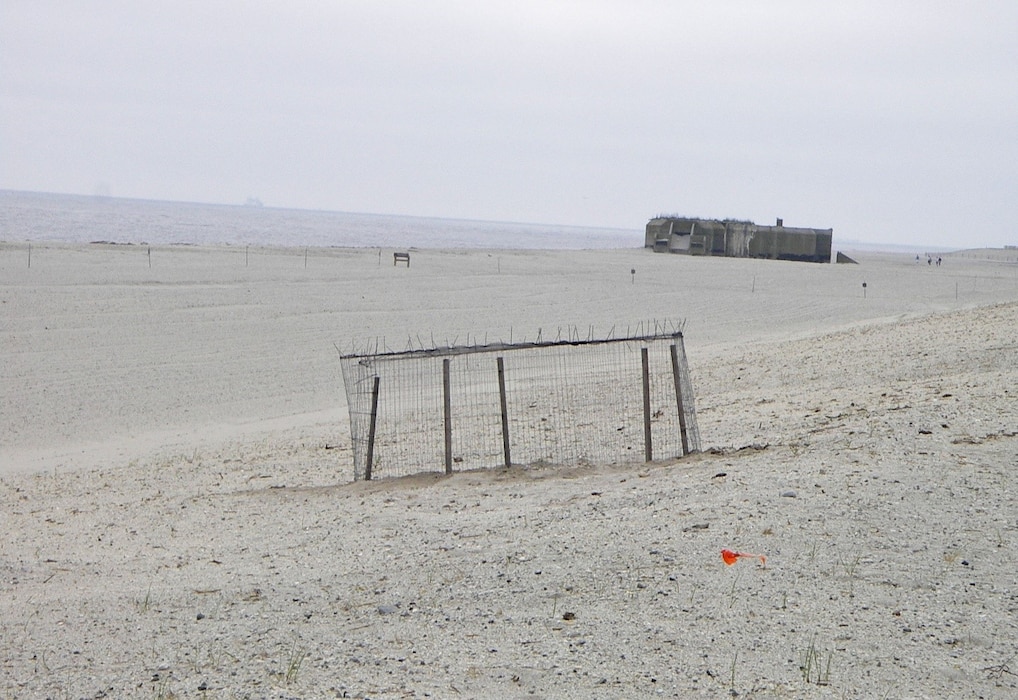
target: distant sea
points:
(32, 216)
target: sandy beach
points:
(181, 520)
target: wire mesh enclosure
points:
(564, 402)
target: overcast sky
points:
(888, 121)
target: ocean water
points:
(32, 216)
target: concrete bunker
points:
(738, 239)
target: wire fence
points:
(564, 402)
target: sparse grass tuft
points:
(293, 664)
(816, 664)
(163, 692)
(851, 567)
(735, 660)
(145, 604)
(731, 592)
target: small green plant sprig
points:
(293, 664)
(816, 664)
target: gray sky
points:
(889, 121)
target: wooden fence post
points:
(678, 400)
(371, 430)
(505, 412)
(447, 400)
(647, 447)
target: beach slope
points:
(181, 522)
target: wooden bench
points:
(401, 257)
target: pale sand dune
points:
(180, 519)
